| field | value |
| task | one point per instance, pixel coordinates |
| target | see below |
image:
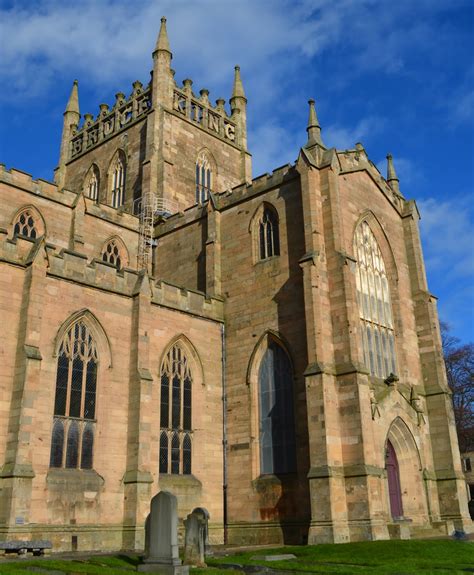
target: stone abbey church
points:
(263, 348)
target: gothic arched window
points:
(203, 178)
(375, 310)
(268, 234)
(276, 412)
(112, 254)
(117, 175)
(25, 225)
(75, 400)
(175, 413)
(91, 188)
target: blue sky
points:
(397, 76)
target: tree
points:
(459, 360)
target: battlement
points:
(200, 111)
(74, 266)
(124, 113)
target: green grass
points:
(441, 557)
(376, 557)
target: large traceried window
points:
(175, 413)
(375, 310)
(91, 187)
(117, 175)
(112, 253)
(268, 234)
(276, 412)
(73, 433)
(203, 178)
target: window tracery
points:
(118, 182)
(268, 234)
(92, 184)
(72, 438)
(112, 254)
(203, 178)
(25, 225)
(176, 413)
(375, 310)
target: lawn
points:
(378, 558)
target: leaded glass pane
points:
(165, 393)
(175, 371)
(57, 444)
(76, 387)
(87, 446)
(163, 452)
(374, 304)
(175, 454)
(61, 385)
(186, 455)
(269, 242)
(277, 430)
(91, 383)
(72, 450)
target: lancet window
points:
(268, 234)
(73, 432)
(92, 184)
(112, 254)
(276, 412)
(175, 413)
(25, 225)
(203, 178)
(118, 182)
(375, 310)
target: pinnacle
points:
(162, 42)
(73, 102)
(313, 129)
(391, 174)
(238, 89)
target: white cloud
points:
(346, 137)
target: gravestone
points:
(161, 537)
(204, 513)
(194, 540)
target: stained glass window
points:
(268, 234)
(375, 310)
(176, 413)
(276, 411)
(72, 437)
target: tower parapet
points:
(124, 113)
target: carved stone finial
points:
(238, 88)
(391, 175)
(188, 85)
(313, 129)
(88, 119)
(73, 102)
(162, 42)
(204, 95)
(104, 109)
(137, 87)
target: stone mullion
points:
(446, 459)
(138, 477)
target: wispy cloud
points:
(345, 137)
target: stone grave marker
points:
(204, 513)
(194, 540)
(161, 537)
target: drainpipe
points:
(224, 431)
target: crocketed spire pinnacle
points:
(73, 102)
(162, 42)
(313, 129)
(238, 89)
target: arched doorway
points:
(393, 477)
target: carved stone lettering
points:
(213, 122)
(92, 137)
(109, 126)
(126, 115)
(77, 146)
(196, 113)
(179, 103)
(229, 131)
